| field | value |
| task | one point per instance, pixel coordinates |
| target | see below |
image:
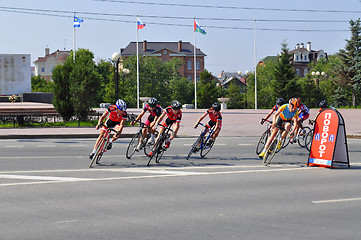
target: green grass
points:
(54, 124)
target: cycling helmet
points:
(323, 104)
(121, 105)
(152, 102)
(280, 102)
(216, 106)
(176, 105)
(295, 102)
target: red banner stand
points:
(329, 143)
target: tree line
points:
(81, 85)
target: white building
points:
(44, 65)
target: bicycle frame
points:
(136, 139)
(158, 149)
(201, 142)
(204, 139)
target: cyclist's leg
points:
(274, 132)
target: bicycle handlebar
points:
(205, 126)
(108, 128)
(266, 120)
(142, 125)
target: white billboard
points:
(15, 74)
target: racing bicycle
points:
(263, 139)
(136, 139)
(273, 147)
(159, 146)
(203, 142)
(102, 146)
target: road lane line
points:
(46, 178)
(337, 200)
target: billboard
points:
(15, 74)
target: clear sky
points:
(31, 26)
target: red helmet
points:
(295, 102)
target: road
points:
(48, 192)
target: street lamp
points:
(125, 72)
(116, 59)
(245, 81)
(316, 76)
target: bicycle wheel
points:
(262, 141)
(98, 153)
(133, 145)
(195, 146)
(308, 140)
(159, 153)
(157, 145)
(301, 135)
(286, 141)
(205, 149)
(271, 151)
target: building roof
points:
(60, 56)
(153, 47)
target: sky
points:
(238, 31)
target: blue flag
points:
(77, 21)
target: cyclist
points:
(283, 116)
(115, 116)
(279, 103)
(303, 114)
(155, 111)
(174, 115)
(323, 104)
(215, 120)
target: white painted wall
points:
(15, 74)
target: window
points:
(189, 65)
(296, 58)
(305, 71)
(189, 77)
(297, 72)
(197, 65)
(42, 69)
(197, 78)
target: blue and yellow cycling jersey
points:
(285, 114)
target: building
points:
(302, 56)
(44, 65)
(168, 50)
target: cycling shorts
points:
(168, 122)
(280, 122)
(213, 123)
(109, 124)
(149, 120)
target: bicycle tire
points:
(194, 146)
(205, 149)
(302, 138)
(156, 146)
(160, 151)
(132, 145)
(271, 151)
(98, 153)
(308, 140)
(262, 141)
(286, 141)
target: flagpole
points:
(195, 71)
(74, 39)
(255, 68)
(137, 67)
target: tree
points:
(236, 99)
(282, 84)
(182, 89)
(349, 72)
(207, 91)
(84, 83)
(39, 84)
(105, 71)
(62, 96)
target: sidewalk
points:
(236, 123)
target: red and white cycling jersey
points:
(214, 116)
(172, 116)
(304, 109)
(114, 116)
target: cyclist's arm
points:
(200, 119)
(268, 115)
(101, 119)
(152, 124)
(275, 116)
(175, 130)
(294, 125)
(139, 117)
(158, 120)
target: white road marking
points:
(158, 173)
(337, 200)
(46, 146)
(245, 144)
(67, 221)
(48, 178)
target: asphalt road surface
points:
(48, 192)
